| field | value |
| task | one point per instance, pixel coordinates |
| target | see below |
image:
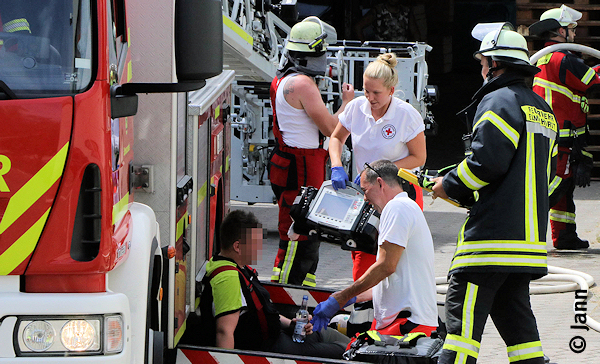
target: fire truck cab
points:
(88, 273)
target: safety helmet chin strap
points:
(555, 33)
(566, 28)
(491, 69)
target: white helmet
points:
(503, 44)
(555, 18)
(311, 35)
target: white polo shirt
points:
(412, 286)
(385, 138)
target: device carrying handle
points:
(354, 186)
(412, 178)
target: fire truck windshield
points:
(45, 47)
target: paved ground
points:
(554, 312)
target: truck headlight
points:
(81, 335)
(78, 335)
(38, 336)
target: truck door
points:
(183, 212)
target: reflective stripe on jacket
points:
(513, 160)
(563, 82)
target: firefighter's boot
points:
(570, 240)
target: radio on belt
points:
(341, 216)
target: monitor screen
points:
(334, 206)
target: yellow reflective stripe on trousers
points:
(34, 189)
(525, 351)
(461, 345)
(502, 125)
(468, 178)
(20, 250)
(531, 221)
(538, 247)
(310, 280)
(556, 87)
(564, 133)
(589, 76)
(290, 254)
(468, 316)
(562, 216)
(505, 260)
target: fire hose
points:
(575, 280)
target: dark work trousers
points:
(328, 343)
(471, 298)
(562, 212)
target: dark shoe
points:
(573, 243)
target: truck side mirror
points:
(198, 39)
(198, 54)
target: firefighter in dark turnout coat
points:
(502, 245)
(563, 82)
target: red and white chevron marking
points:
(185, 356)
(293, 296)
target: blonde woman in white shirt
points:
(382, 127)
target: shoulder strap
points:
(273, 93)
(264, 328)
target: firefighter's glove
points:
(338, 178)
(357, 180)
(427, 175)
(425, 180)
(324, 312)
(582, 169)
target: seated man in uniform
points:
(401, 283)
(237, 312)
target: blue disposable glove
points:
(338, 178)
(324, 312)
(351, 301)
(357, 180)
(319, 322)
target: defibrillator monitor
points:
(341, 216)
(337, 209)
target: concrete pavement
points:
(554, 312)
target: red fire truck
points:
(88, 273)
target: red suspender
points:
(273, 92)
(264, 328)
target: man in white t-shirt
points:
(401, 283)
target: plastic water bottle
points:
(301, 321)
